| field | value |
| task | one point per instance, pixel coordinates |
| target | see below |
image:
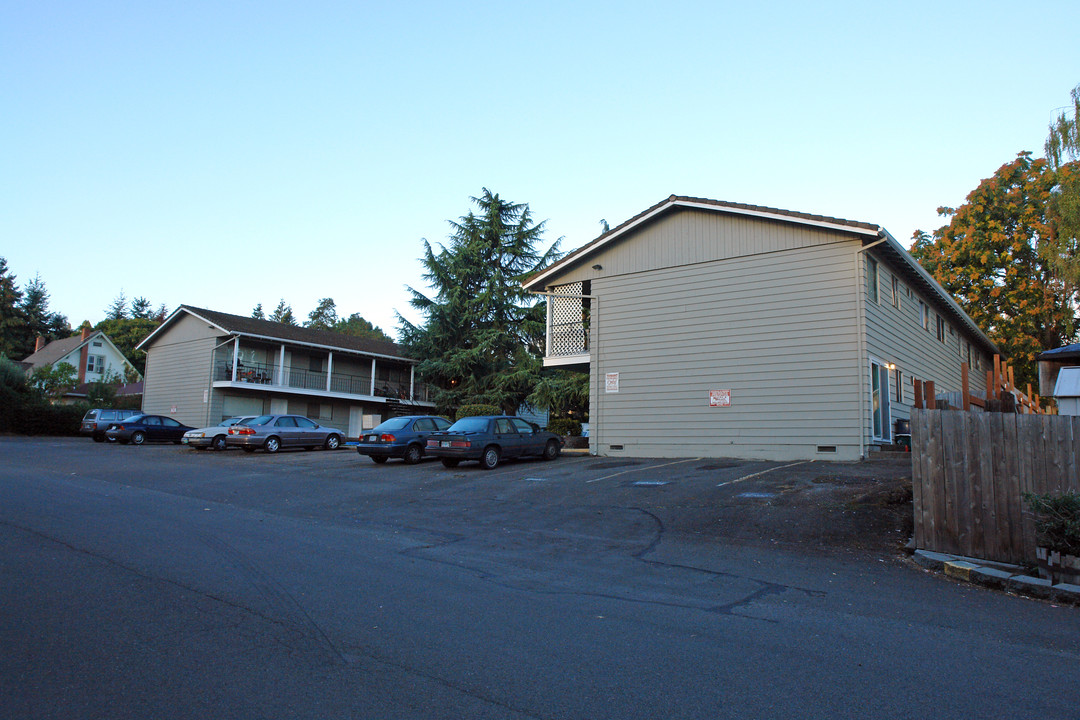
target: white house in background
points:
(91, 353)
(720, 329)
(203, 365)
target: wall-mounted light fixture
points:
(597, 267)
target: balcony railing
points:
(303, 379)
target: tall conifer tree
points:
(482, 335)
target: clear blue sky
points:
(223, 154)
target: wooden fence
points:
(969, 470)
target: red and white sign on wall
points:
(611, 382)
(719, 398)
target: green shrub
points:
(1057, 520)
(474, 410)
(568, 427)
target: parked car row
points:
(250, 433)
(488, 439)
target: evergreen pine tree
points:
(13, 330)
(482, 336)
(283, 314)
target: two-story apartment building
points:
(203, 365)
(719, 329)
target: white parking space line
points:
(763, 472)
(639, 469)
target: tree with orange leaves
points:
(1004, 258)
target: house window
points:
(95, 363)
(941, 328)
(896, 292)
(967, 352)
(872, 279)
(925, 312)
(897, 385)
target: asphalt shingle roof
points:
(293, 333)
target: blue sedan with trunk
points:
(490, 439)
(402, 437)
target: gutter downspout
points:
(594, 345)
(860, 311)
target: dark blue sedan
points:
(491, 438)
(139, 429)
(402, 437)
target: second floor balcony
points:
(276, 377)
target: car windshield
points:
(90, 415)
(470, 424)
(392, 424)
(136, 418)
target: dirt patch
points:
(866, 507)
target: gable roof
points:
(55, 350)
(870, 234)
(279, 332)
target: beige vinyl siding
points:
(178, 373)
(777, 329)
(897, 336)
(688, 236)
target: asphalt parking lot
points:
(581, 500)
(159, 581)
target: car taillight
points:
(433, 443)
(386, 437)
(460, 443)
(241, 431)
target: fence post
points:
(967, 389)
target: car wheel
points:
(248, 449)
(218, 443)
(138, 438)
(272, 444)
(333, 442)
(413, 454)
(99, 437)
(450, 462)
(378, 459)
(490, 459)
(551, 450)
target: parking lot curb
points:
(997, 576)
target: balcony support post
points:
(281, 366)
(329, 369)
(235, 356)
(372, 393)
(412, 382)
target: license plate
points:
(370, 438)
(444, 443)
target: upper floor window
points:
(95, 363)
(941, 328)
(924, 311)
(896, 292)
(872, 279)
